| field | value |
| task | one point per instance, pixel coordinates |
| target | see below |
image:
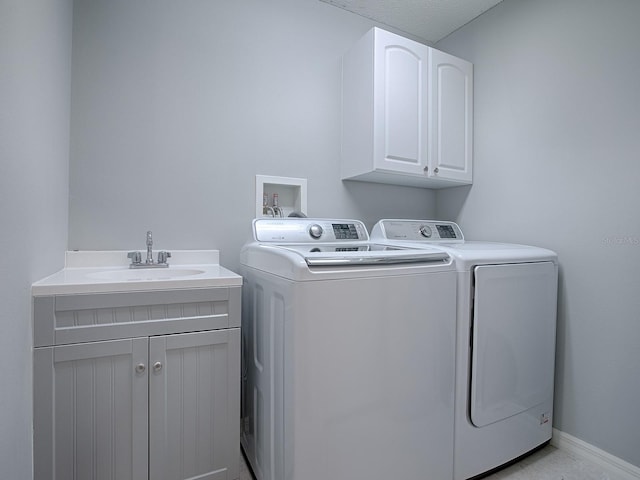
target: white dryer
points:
(505, 348)
(348, 354)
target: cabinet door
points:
(400, 104)
(452, 118)
(194, 405)
(90, 411)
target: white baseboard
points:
(614, 467)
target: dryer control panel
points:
(305, 230)
(417, 231)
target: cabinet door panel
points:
(402, 106)
(452, 122)
(401, 85)
(91, 411)
(194, 405)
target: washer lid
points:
(336, 254)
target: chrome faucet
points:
(136, 257)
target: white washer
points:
(348, 361)
(505, 349)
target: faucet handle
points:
(135, 257)
(162, 256)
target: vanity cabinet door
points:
(90, 411)
(194, 385)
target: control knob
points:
(315, 231)
(425, 231)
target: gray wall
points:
(177, 106)
(35, 67)
(557, 150)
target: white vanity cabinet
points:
(137, 385)
(407, 113)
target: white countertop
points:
(109, 272)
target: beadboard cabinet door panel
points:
(194, 405)
(91, 405)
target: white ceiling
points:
(431, 20)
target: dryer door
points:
(513, 339)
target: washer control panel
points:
(417, 231)
(304, 230)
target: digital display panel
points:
(446, 231)
(345, 231)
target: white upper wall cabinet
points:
(407, 113)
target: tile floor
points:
(546, 464)
(550, 464)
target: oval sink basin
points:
(145, 274)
